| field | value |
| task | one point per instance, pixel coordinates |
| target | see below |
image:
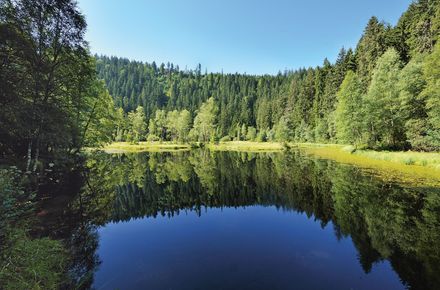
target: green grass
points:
(246, 146)
(416, 168)
(428, 159)
(117, 147)
(168, 146)
(32, 263)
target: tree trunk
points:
(29, 156)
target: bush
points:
(15, 202)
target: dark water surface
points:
(203, 220)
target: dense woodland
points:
(384, 93)
(51, 100)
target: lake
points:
(236, 220)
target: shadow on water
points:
(385, 221)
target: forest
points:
(383, 94)
(58, 101)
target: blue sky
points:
(246, 36)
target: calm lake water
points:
(228, 220)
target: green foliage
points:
(99, 123)
(283, 130)
(183, 125)
(413, 104)
(251, 134)
(383, 112)
(373, 43)
(205, 121)
(419, 28)
(261, 136)
(15, 201)
(138, 123)
(59, 105)
(349, 110)
(158, 125)
(243, 132)
(431, 72)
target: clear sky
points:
(252, 36)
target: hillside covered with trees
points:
(384, 93)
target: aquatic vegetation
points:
(406, 167)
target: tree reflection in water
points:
(385, 221)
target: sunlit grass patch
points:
(248, 146)
(408, 167)
(428, 159)
(145, 146)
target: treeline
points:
(374, 107)
(175, 125)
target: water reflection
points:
(386, 222)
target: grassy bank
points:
(414, 167)
(246, 146)
(419, 168)
(26, 262)
(168, 146)
(117, 147)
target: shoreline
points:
(403, 166)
